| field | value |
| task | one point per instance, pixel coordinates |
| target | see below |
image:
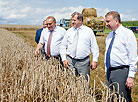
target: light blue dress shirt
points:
(57, 36)
(124, 49)
(86, 44)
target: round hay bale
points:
(87, 12)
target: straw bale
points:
(87, 20)
(98, 19)
(94, 22)
(87, 12)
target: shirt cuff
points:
(95, 59)
(131, 74)
(63, 58)
(105, 69)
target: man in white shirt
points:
(77, 44)
(121, 62)
(57, 34)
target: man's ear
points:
(117, 21)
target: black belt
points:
(57, 57)
(78, 59)
(118, 67)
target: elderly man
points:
(51, 37)
(79, 41)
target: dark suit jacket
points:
(38, 34)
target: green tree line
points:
(130, 23)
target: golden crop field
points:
(25, 78)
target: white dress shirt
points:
(57, 36)
(124, 49)
(86, 43)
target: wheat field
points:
(25, 78)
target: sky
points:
(33, 12)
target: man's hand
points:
(130, 82)
(66, 63)
(94, 65)
(36, 52)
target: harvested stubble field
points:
(25, 78)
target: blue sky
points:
(33, 12)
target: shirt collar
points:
(53, 29)
(118, 29)
(81, 27)
(78, 28)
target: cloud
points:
(102, 11)
(20, 12)
(125, 16)
(129, 16)
(16, 16)
(2, 3)
(64, 12)
(39, 14)
(13, 13)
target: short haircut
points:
(44, 21)
(80, 16)
(115, 15)
(51, 17)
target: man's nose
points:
(48, 25)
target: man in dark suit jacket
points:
(38, 35)
(38, 32)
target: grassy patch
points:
(27, 34)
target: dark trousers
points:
(119, 75)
